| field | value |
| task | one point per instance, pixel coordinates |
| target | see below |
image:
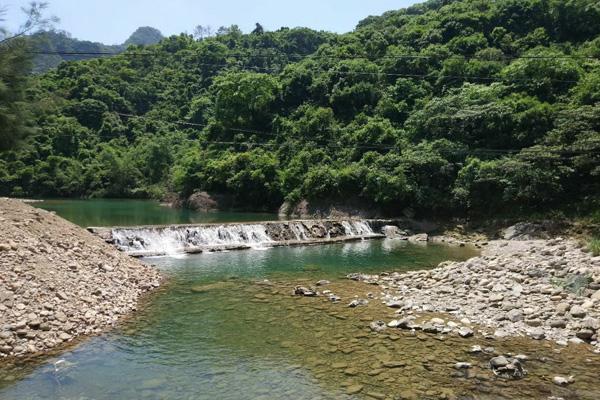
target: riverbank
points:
(543, 289)
(59, 282)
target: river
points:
(227, 327)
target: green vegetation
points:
(446, 107)
(58, 46)
(594, 245)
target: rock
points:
(358, 302)
(462, 365)
(376, 395)
(437, 321)
(303, 291)
(515, 315)
(429, 328)
(393, 323)
(395, 304)
(585, 334)
(421, 237)
(465, 332)
(596, 295)
(507, 368)
(498, 362)
(562, 381)
(562, 308)
(354, 389)
(394, 364)
(323, 282)
(496, 297)
(393, 232)
(377, 326)
(558, 323)
(577, 312)
(475, 349)
(35, 323)
(537, 334)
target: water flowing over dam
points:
(177, 239)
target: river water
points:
(227, 327)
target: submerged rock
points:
(377, 326)
(562, 381)
(303, 291)
(507, 368)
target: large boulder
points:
(531, 230)
(205, 202)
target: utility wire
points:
(548, 154)
(323, 56)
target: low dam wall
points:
(176, 239)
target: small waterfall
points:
(299, 230)
(176, 239)
(357, 228)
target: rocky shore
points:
(544, 289)
(59, 282)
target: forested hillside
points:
(53, 47)
(447, 107)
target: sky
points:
(112, 21)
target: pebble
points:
(562, 381)
(51, 305)
(516, 287)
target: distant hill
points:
(60, 41)
(144, 36)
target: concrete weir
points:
(140, 241)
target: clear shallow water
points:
(208, 336)
(103, 212)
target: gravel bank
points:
(545, 289)
(58, 281)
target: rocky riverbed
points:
(58, 281)
(544, 289)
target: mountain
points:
(464, 107)
(58, 41)
(144, 36)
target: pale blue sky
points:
(112, 21)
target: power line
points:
(540, 154)
(397, 75)
(502, 57)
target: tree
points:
(201, 32)
(259, 30)
(15, 117)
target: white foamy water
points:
(175, 240)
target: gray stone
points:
(465, 332)
(377, 326)
(558, 323)
(462, 365)
(585, 334)
(499, 362)
(578, 312)
(515, 315)
(562, 381)
(537, 333)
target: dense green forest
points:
(55, 47)
(446, 107)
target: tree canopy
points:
(466, 106)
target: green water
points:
(198, 340)
(102, 212)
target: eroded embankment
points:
(58, 281)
